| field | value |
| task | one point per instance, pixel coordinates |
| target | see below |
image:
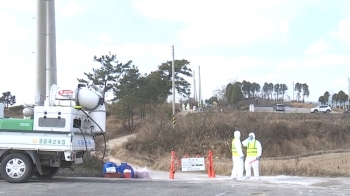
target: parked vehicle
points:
(52, 136)
(321, 108)
(279, 107)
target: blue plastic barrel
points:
(109, 164)
(124, 166)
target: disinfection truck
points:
(53, 136)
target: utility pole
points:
(293, 91)
(40, 69)
(51, 42)
(51, 75)
(46, 69)
(194, 87)
(348, 94)
(199, 83)
(173, 76)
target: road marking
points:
(222, 193)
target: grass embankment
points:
(288, 141)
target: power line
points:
(123, 5)
(140, 21)
(134, 14)
(126, 12)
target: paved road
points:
(288, 110)
(183, 184)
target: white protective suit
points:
(237, 169)
(249, 159)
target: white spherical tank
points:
(28, 112)
(87, 99)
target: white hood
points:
(252, 134)
(237, 134)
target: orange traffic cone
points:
(211, 172)
(172, 166)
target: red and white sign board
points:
(65, 93)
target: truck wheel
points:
(48, 172)
(16, 168)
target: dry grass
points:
(302, 105)
(14, 112)
(337, 109)
(281, 136)
(335, 164)
(114, 128)
(134, 158)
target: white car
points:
(321, 108)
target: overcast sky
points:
(259, 41)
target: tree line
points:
(136, 93)
(236, 91)
(337, 98)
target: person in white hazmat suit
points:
(254, 151)
(237, 157)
